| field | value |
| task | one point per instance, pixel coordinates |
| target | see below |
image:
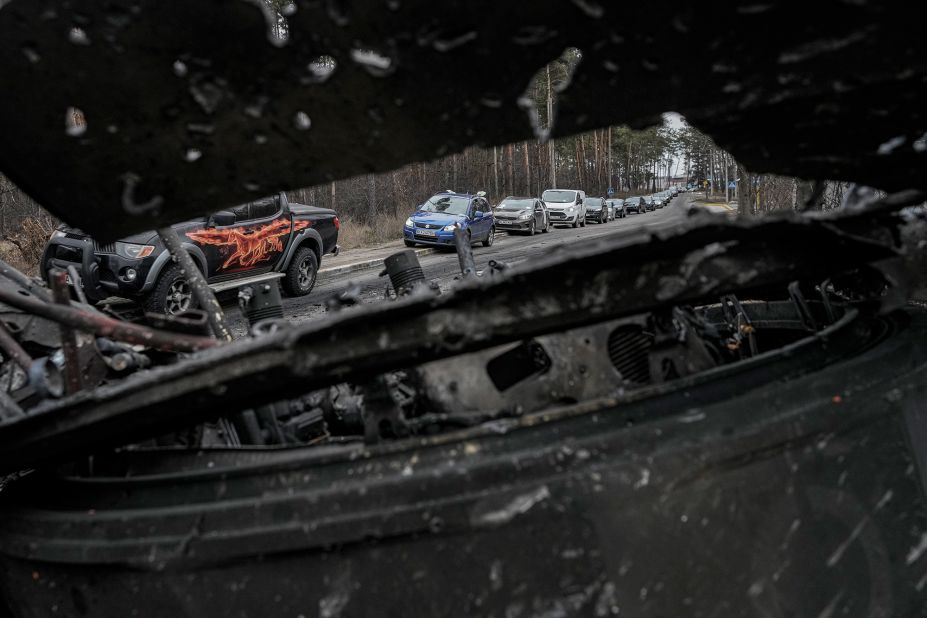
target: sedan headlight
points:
(409, 222)
(134, 252)
(525, 216)
(450, 228)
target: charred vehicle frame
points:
(725, 415)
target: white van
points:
(566, 206)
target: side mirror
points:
(478, 214)
(221, 219)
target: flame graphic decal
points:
(252, 245)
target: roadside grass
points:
(357, 234)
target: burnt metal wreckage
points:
(728, 419)
(636, 432)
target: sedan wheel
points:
(532, 229)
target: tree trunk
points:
(510, 168)
(371, 197)
(395, 198)
(527, 169)
(746, 202)
(608, 160)
(804, 192)
(551, 150)
(495, 170)
(584, 180)
(579, 162)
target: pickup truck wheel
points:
(301, 273)
(172, 295)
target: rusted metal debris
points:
(62, 297)
(13, 350)
(105, 326)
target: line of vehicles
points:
(271, 239)
(435, 221)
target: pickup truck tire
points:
(171, 295)
(301, 273)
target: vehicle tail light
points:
(337, 223)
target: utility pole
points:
(727, 190)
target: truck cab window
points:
(241, 212)
(264, 209)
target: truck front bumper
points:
(101, 275)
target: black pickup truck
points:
(267, 239)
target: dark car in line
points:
(270, 239)
(434, 222)
(617, 208)
(635, 205)
(522, 214)
(596, 210)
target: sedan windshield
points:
(447, 204)
(558, 197)
(516, 205)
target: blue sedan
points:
(435, 221)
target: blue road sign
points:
(611, 191)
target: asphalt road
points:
(443, 266)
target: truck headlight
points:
(134, 252)
(58, 234)
(409, 222)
